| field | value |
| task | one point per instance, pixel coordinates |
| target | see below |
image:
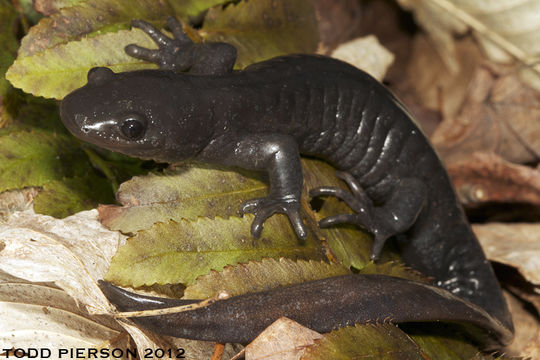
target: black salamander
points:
(262, 118)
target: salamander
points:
(197, 108)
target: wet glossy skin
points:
(264, 117)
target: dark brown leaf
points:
(485, 177)
(500, 114)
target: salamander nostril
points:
(85, 129)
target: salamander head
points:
(135, 113)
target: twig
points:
(222, 295)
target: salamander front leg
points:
(278, 156)
(180, 54)
(395, 216)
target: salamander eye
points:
(133, 127)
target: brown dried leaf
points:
(37, 315)
(527, 338)
(517, 245)
(285, 339)
(73, 253)
(500, 115)
(366, 53)
(506, 29)
(487, 177)
(431, 84)
(338, 21)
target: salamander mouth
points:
(69, 117)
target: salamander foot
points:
(263, 208)
(395, 216)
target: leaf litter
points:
(359, 262)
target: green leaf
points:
(56, 71)
(26, 7)
(387, 341)
(261, 275)
(369, 341)
(35, 157)
(185, 193)
(115, 167)
(348, 243)
(71, 195)
(8, 51)
(8, 42)
(53, 162)
(394, 269)
(30, 112)
(190, 192)
(180, 252)
(263, 29)
(441, 342)
(186, 9)
(55, 56)
(89, 17)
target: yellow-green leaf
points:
(33, 158)
(348, 243)
(186, 9)
(180, 252)
(261, 275)
(369, 342)
(89, 17)
(63, 198)
(8, 42)
(56, 71)
(394, 269)
(185, 193)
(264, 28)
(388, 342)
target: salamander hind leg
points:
(396, 215)
(180, 54)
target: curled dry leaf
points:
(73, 253)
(367, 54)
(500, 115)
(484, 177)
(517, 245)
(285, 339)
(145, 339)
(41, 316)
(506, 29)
